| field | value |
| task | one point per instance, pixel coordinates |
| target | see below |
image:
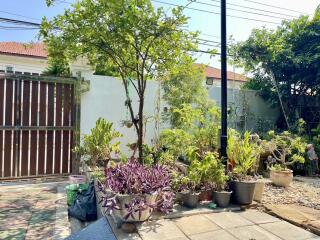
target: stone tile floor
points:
(247, 225)
(33, 211)
(39, 211)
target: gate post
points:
(76, 133)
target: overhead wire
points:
(274, 6)
(244, 11)
(18, 15)
(216, 13)
(256, 9)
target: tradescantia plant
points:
(133, 178)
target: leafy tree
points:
(58, 64)
(183, 85)
(141, 42)
(285, 64)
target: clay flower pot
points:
(205, 196)
(281, 178)
(258, 191)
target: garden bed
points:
(303, 192)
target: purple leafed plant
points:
(135, 178)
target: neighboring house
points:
(213, 77)
(27, 58)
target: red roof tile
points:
(216, 73)
(24, 49)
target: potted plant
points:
(99, 145)
(201, 171)
(132, 191)
(286, 149)
(243, 155)
(221, 195)
(190, 193)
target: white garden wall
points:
(106, 99)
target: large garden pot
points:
(123, 199)
(281, 178)
(205, 196)
(190, 199)
(222, 199)
(258, 191)
(243, 191)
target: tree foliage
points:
(285, 61)
(141, 42)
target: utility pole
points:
(224, 127)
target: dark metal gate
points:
(37, 123)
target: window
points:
(9, 69)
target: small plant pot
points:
(281, 178)
(124, 199)
(222, 199)
(205, 196)
(133, 146)
(258, 191)
(243, 191)
(77, 179)
(190, 199)
(129, 124)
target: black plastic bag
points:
(84, 206)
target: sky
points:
(208, 23)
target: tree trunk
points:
(140, 132)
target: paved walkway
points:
(248, 225)
(33, 211)
(39, 211)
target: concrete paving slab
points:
(215, 235)
(228, 219)
(287, 231)
(290, 213)
(252, 232)
(258, 217)
(160, 230)
(196, 224)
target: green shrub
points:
(98, 146)
(287, 148)
(243, 153)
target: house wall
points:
(230, 84)
(106, 99)
(23, 64)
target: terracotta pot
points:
(205, 196)
(123, 199)
(243, 191)
(222, 199)
(190, 199)
(281, 178)
(258, 191)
